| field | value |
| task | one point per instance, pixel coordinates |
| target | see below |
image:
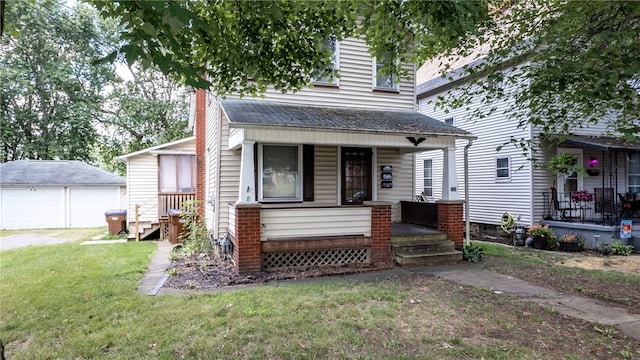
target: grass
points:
(78, 302)
(72, 233)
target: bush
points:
(472, 253)
(619, 249)
(196, 241)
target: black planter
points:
(539, 242)
(569, 246)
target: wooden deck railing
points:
(172, 201)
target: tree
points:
(148, 110)
(572, 64)
(244, 46)
(50, 92)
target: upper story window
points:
(383, 80)
(634, 173)
(177, 173)
(427, 177)
(333, 46)
(503, 168)
(449, 121)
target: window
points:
(428, 177)
(634, 173)
(333, 46)
(177, 173)
(502, 168)
(449, 121)
(280, 173)
(383, 80)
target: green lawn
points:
(78, 302)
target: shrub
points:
(472, 253)
(619, 249)
(196, 238)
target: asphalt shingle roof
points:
(55, 172)
(243, 112)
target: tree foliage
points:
(50, 93)
(568, 65)
(245, 46)
(147, 110)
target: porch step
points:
(410, 259)
(421, 246)
(412, 238)
(145, 229)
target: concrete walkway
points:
(574, 306)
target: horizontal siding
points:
(229, 177)
(355, 90)
(186, 146)
(306, 222)
(212, 133)
(489, 197)
(325, 173)
(403, 176)
(142, 186)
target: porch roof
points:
(260, 113)
(602, 143)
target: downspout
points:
(467, 226)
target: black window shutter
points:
(307, 172)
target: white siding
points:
(142, 185)
(489, 197)
(403, 176)
(355, 90)
(229, 177)
(305, 222)
(212, 151)
(325, 173)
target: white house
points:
(317, 176)
(159, 178)
(57, 194)
(503, 181)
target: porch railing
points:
(172, 201)
(600, 207)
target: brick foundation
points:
(380, 231)
(451, 220)
(246, 238)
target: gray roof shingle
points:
(55, 172)
(242, 112)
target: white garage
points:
(57, 194)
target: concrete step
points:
(412, 238)
(424, 247)
(404, 259)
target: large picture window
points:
(280, 173)
(428, 177)
(177, 173)
(634, 173)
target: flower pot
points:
(569, 245)
(539, 242)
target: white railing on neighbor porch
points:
(282, 223)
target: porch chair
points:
(556, 205)
(626, 206)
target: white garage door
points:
(32, 208)
(88, 205)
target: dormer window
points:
(333, 46)
(383, 80)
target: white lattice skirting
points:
(288, 260)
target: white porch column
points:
(450, 176)
(247, 191)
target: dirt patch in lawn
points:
(623, 264)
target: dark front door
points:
(356, 175)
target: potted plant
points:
(564, 164)
(571, 242)
(582, 195)
(543, 237)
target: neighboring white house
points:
(57, 194)
(504, 181)
(321, 171)
(159, 178)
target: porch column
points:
(450, 178)
(246, 238)
(380, 231)
(451, 221)
(247, 191)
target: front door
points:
(356, 175)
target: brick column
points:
(380, 231)
(201, 166)
(246, 240)
(451, 220)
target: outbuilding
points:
(57, 194)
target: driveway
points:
(47, 237)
